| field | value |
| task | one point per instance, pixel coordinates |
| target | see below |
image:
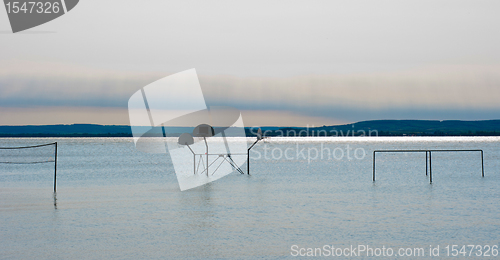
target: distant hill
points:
(75, 130)
(367, 128)
(401, 128)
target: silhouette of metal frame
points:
(36, 146)
(205, 131)
(428, 158)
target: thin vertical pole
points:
(207, 152)
(248, 161)
(55, 169)
(482, 162)
(373, 165)
(430, 166)
(194, 159)
(426, 162)
(248, 156)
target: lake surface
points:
(116, 202)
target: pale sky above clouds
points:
(304, 62)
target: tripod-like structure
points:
(202, 159)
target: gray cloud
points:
(443, 87)
(40, 84)
(438, 92)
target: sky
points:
(281, 63)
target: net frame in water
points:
(428, 158)
(37, 146)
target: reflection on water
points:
(55, 200)
(113, 201)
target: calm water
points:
(115, 202)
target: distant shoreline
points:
(364, 128)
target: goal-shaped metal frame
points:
(37, 146)
(428, 158)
